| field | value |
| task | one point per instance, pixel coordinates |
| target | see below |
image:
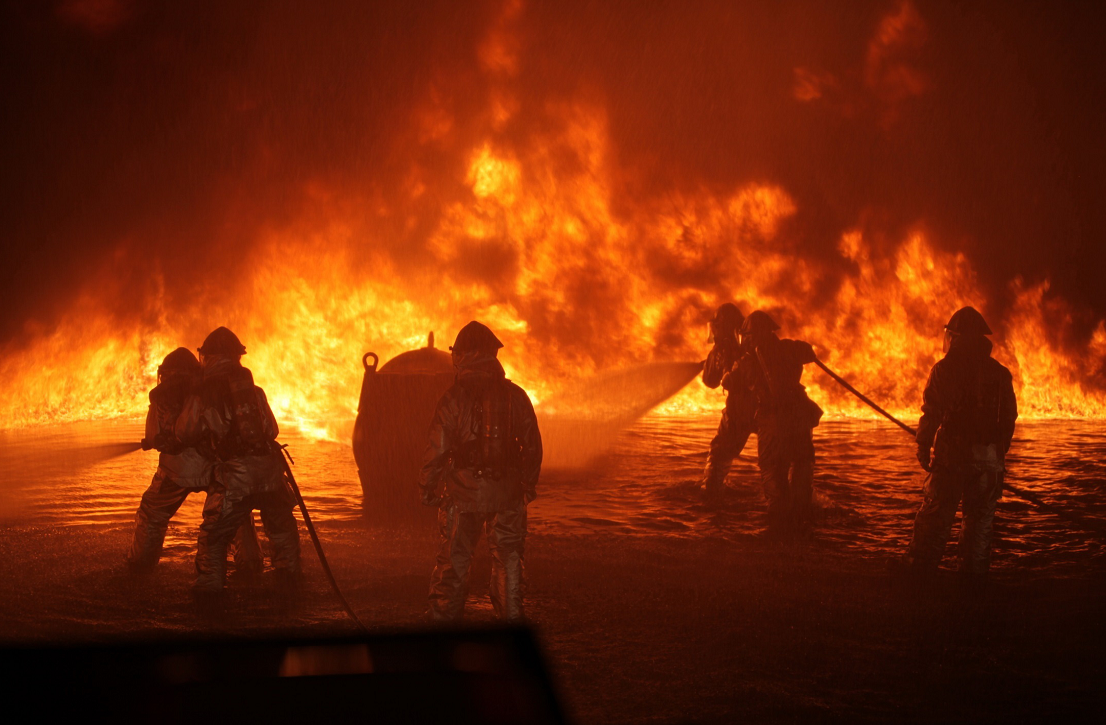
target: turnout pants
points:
(945, 488)
(786, 458)
(460, 532)
(159, 503)
(726, 445)
(223, 516)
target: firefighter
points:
(181, 470)
(481, 470)
(785, 418)
(737, 417)
(968, 414)
(229, 419)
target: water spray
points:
(1019, 492)
(91, 455)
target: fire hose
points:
(1019, 492)
(286, 459)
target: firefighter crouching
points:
(737, 417)
(968, 414)
(230, 420)
(181, 470)
(481, 469)
(785, 417)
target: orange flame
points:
(571, 280)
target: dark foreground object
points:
(465, 676)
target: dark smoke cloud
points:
(172, 139)
(98, 17)
(143, 137)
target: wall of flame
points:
(577, 266)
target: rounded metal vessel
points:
(393, 418)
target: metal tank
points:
(393, 418)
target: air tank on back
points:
(393, 419)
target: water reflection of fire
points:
(571, 280)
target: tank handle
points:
(365, 361)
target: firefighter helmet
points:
(222, 342)
(180, 361)
(475, 336)
(968, 321)
(727, 320)
(758, 323)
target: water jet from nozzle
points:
(583, 420)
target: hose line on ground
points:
(287, 458)
(1019, 492)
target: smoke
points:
(164, 161)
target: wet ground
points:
(651, 607)
(868, 485)
(867, 481)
